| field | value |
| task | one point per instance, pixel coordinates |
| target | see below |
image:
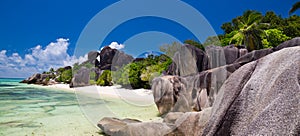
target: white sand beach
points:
(96, 102)
(122, 103)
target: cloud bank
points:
(115, 45)
(40, 59)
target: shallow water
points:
(29, 110)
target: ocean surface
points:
(36, 111)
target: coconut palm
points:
(295, 7)
(247, 30)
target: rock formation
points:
(129, 127)
(290, 43)
(81, 78)
(257, 94)
(198, 91)
(260, 98)
(112, 58)
(189, 93)
(41, 79)
(197, 61)
(232, 53)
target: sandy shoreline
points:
(96, 102)
(113, 101)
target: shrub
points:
(105, 79)
(66, 76)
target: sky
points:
(36, 35)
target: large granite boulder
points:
(166, 92)
(129, 127)
(177, 124)
(257, 54)
(290, 43)
(106, 57)
(189, 93)
(260, 98)
(253, 55)
(42, 79)
(216, 56)
(232, 53)
(191, 123)
(120, 59)
(188, 60)
(81, 78)
(92, 56)
(112, 58)
(34, 78)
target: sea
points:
(29, 110)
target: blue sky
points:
(35, 26)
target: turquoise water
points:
(30, 110)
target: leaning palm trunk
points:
(252, 40)
(295, 7)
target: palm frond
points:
(295, 7)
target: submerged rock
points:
(260, 98)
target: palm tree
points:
(295, 7)
(248, 30)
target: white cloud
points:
(38, 60)
(115, 45)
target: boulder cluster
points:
(49, 78)
(224, 91)
(110, 59)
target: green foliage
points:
(47, 78)
(93, 82)
(194, 43)
(105, 79)
(227, 27)
(251, 28)
(139, 74)
(273, 38)
(170, 49)
(248, 30)
(151, 72)
(212, 40)
(66, 76)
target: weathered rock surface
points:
(175, 124)
(260, 98)
(232, 53)
(188, 60)
(290, 43)
(129, 127)
(37, 79)
(81, 78)
(112, 58)
(254, 55)
(120, 59)
(192, 123)
(189, 93)
(92, 56)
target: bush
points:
(138, 74)
(105, 79)
(66, 76)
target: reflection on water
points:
(28, 110)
